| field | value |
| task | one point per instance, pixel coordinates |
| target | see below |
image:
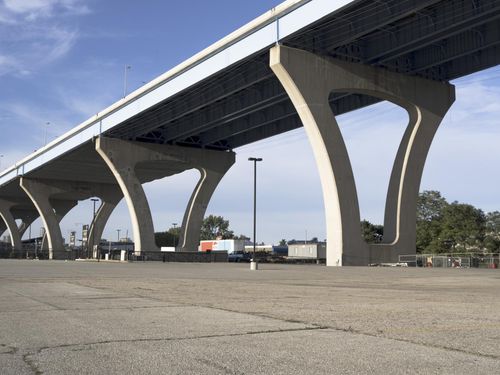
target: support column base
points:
(60, 254)
(387, 253)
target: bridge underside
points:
(433, 39)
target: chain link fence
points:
(469, 260)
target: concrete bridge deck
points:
(95, 318)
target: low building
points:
(315, 250)
(268, 249)
(280, 250)
(259, 248)
(123, 244)
(230, 246)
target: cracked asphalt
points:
(167, 318)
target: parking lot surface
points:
(174, 318)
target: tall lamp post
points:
(253, 262)
(127, 68)
(79, 251)
(92, 229)
(1, 157)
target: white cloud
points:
(35, 117)
(31, 53)
(7, 63)
(63, 41)
(34, 9)
(5, 17)
(28, 6)
(35, 33)
(475, 104)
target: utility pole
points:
(91, 244)
(127, 68)
(253, 262)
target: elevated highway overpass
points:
(300, 64)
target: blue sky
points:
(62, 61)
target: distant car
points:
(239, 256)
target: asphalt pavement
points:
(176, 318)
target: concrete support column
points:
(133, 163)
(27, 218)
(61, 209)
(306, 79)
(425, 115)
(40, 192)
(3, 227)
(10, 223)
(101, 218)
(122, 158)
(197, 206)
(309, 80)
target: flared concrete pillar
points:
(10, 223)
(3, 227)
(132, 163)
(61, 209)
(309, 80)
(426, 104)
(101, 218)
(27, 218)
(122, 158)
(40, 194)
(210, 177)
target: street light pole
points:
(1, 157)
(127, 68)
(253, 262)
(94, 201)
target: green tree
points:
(215, 227)
(492, 233)
(242, 237)
(428, 238)
(168, 238)
(430, 207)
(491, 244)
(371, 233)
(493, 223)
(462, 227)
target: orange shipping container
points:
(207, 245)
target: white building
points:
(230, 246)
(307, 250)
